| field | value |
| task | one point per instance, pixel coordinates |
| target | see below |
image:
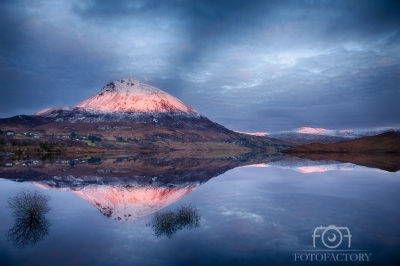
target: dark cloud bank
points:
(249, 65)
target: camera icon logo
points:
(331, 236)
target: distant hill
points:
(380, 151)
(388, 142)
(306, 135)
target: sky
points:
(258, 65)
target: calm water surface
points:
(249, 216)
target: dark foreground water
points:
(249, 216)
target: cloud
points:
(265, 60)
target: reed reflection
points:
(30, 223)
(169, 222)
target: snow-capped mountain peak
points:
(311, 130)
(128, 95)
(305, 135)
(322, 131)
(128, 100)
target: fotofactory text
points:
(332, 243)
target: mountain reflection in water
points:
(127, 188)
(128, 199)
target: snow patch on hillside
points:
(260, 134)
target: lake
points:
(265, 211)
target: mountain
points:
(127, 96)
(134, 96)
(388, 142)
(306, 135)
(124, 115)
(381, 151)
(127, 100)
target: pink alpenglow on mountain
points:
(120, 203)
(322, 131)
(128, 95)
(130, 101)
(322, 168)
(310, 130)
(127, 203)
